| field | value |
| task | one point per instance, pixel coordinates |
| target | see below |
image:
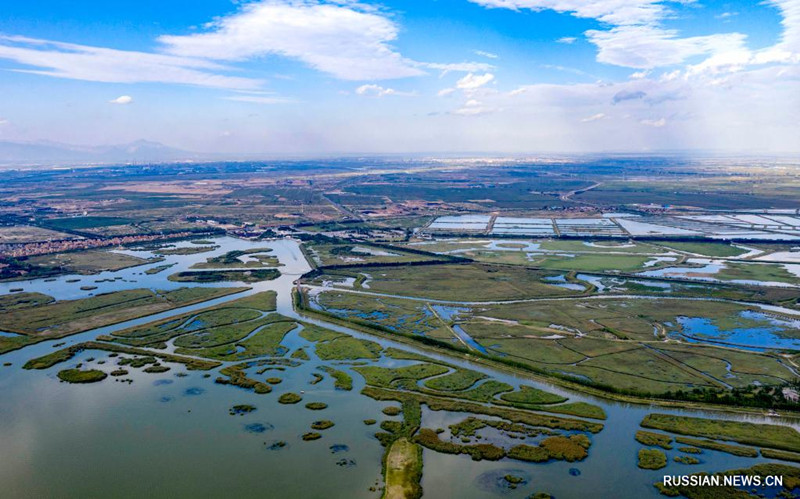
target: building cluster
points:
(21, 250)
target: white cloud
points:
(122, 99)
(632, 34)
(457, 67)
(617, 12)
(379, 91)
(725, 16)
(569, 40)
(488, 55)
(3, 121)
(647, 47)
(790, 40)
(83, 62)
(594, 117)
(445, 91)
(473, 81)
(654, 123)
(345, 39)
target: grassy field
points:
(654, 439)
(254, 258)
(652, 459)
(81, 376)
(765, 272)
(392, 313)
(348, 348)
(65, 354)
(514, 415)
(245, 276)
(28, 234)
(63, 318)
(342, 380)
(763, 435)
(159, 268)
(221, 335)
(85, 222)
(214, 326)
(87, 262)
(615, 343)
(466, 282)
(591, 262)
(461, 379)
(735, 450)
(721, 249)
(23, 300)
(441, 380)
(530, 395)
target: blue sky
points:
(414, 76)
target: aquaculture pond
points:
(179, 432)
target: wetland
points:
(394, 404)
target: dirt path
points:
(403, 470)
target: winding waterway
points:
(167, 436)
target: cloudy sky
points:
(404, 76)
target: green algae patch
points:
(156, 369)
(385, 377)
(316, 406)
(461, 379)
(530, 395)
(322, 424)
(529, 453)
(237, 376)
(341, 380)
(430, 439)
(764, 435)
(572, 448)
(369, 422)
(779, 454)
(736, 450)
(300, 354)
(467, 427)
(312, 435)
(686, 460)
(513, 415)
(580, 409)
(274, 381)
(207, 276)
(653, 439)
(652, 459)
(241, 409)
(348, 348)
(290, 398)
(81, 376)
(65, 354)
(391, 410)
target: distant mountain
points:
(53, 153)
